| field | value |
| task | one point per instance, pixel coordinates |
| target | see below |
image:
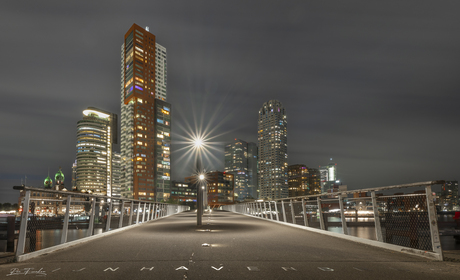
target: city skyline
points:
(373, 87)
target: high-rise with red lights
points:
(145, 117)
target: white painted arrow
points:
(182, 267)
(217, 268)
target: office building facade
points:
(303, 180)
(96, 134)
(328, 176)
(241, 161)
(272, 137)
(143, 86)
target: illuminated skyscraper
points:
(243, 165)
(96, 134)
(272, 135)
(143, 87)
(116, 174)
(328, 176)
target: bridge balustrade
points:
(49, 217)
(407, 220)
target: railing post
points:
(433, 217)
(320, 214)
(304, 210)
(342, 216)
(270, 209)
(378, 227)
(109, 216)
(143, 212)
(265, 210)
(138, 211)
(277, 214)
(65, 227)
(130, 222)
(155, 206)
(292, 212)
(120, 223)
(150, 212)
(23, 227)
(284, 211)
(91, 218)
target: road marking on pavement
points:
(217, 268)
(149, 268)
(182, 267)
(325, 269)
(56, 270)
(288, 268)
(205, 245)
(359, 269)
(111, 269)
(80, 269)
(253, 268)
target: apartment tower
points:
(272, 136)
(143, 84)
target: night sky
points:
(375, 86)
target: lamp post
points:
(199, 200)
(198, 143)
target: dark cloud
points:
(372, 85)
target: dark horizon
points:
(372, 85)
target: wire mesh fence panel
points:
(115, 215)
(404, 221)
(80, 208)
(45, 221)
(280, 211)
(298, 213)
(311, 207)
(135, 213)
(126, 212)
(287, 209)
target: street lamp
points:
(198, 145)
(199, 199)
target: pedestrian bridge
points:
(261, 240)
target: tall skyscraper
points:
(253, 167)
(143, 86)
(328, 176)
(162, 156)
(236, 163)
(272, 135)
(96, 134)
(116, 174)
(241, 164)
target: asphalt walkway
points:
(228, 246)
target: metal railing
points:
(407, 220)
(51, 217)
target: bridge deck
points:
(240, 248)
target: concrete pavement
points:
(227, 246)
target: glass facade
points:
(95, 138)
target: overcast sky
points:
(375, 86)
